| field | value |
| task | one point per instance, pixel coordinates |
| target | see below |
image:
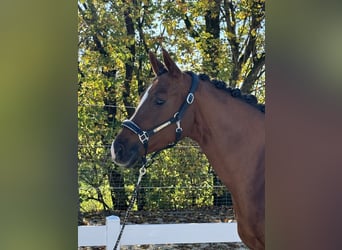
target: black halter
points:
(144, 135)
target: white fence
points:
(156, 233)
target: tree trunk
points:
(129, 65)
(212, 26)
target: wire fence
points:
(180, 178)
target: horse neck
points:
(231, 134)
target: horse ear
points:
(157, 66)
(170, 64)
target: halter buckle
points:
(143, 137)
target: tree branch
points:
(231, 28)
(99, 200)
(193, 33)
(93, 21)
(251, 44)
(253, 74)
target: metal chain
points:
(142, 172)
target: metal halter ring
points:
(190, 98)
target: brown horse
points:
(230, 130)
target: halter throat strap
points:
(144, 135)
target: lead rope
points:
(142, 172)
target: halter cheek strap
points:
(144, 135)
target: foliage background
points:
(224, 39)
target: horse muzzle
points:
(124, 156)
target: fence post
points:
(112, 231)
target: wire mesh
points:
(180, 179)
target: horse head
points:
(159, 119)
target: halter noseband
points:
(144, 135)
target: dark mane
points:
(234, 92)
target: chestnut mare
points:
(230, 130)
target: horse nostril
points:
(118, 148)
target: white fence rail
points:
(156, 233)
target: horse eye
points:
(160, 101)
